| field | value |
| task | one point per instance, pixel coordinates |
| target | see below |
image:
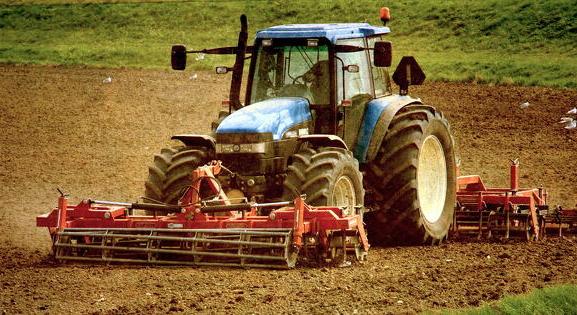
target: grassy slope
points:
(510, 41)
(553, 300)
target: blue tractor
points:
(320, 119)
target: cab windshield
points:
(300, 71)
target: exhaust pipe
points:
(236, 82)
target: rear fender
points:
(196, 141)
(378, 117)
(323, 141)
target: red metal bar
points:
(298, 225)
(507, 203)
(62, 212)
(458, 174)
(306, 220)
(207, 172)
(362, 233)
(534, 219)
(470, 182)
(514, 171)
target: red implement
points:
(203, 232)
(509, 212)
(560, 221)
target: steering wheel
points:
(297, 89)
(301, 78)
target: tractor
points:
(320, 119)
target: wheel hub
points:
(344, 195)
(432, 179)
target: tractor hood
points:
(274, 116)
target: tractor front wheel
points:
(413, 180)
(170, 173)
(327, 176)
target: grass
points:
(552, 300)
(524, 42)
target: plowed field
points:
(63, 127)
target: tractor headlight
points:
(295, 133)
(241, 148)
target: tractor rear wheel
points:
(413, 180)
(170, 173)
(328, 177)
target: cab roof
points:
(332, 32)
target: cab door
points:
(354, 89)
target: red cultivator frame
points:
(558, 221)
(198, 232)
(509, 212)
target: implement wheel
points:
(169, 175)
(328, 177)
(413, 178)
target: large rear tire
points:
(170, 173)
(328, 177)
(413, 180)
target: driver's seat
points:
(299, 90)
(318, 75)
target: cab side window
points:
(354, 83)
(381, 78)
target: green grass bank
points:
(525, 42)
(552, 300)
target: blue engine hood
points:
(274, 116)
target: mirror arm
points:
(240, 52)
(342, 74)
(219, 51)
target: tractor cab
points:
(332, 66)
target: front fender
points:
(378, 117)
(322, 140)
(192, 140)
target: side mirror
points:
(178, 57)
(223, 70)
(351, 68)
(383, 54)
(408, 72)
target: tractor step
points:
(268, 248)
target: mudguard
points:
(378, 117)
(322, 140)
(192, 140)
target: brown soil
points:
(65, 128)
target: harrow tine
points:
(169, 251)
(239, 247)
(174, 238)
(179, 263)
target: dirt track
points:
(65, 128)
